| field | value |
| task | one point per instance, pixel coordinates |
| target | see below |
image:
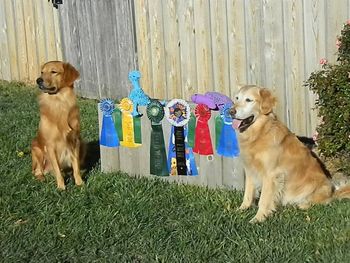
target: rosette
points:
(202, 141)
(180, 157)
(178, 112)
(109, 135)
(131, 126)
(158, 160)
(227, 144)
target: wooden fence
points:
(193, 46)
(98, 37)
(29, 36)
(217, 171)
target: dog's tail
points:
(342, 192)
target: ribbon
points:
(109, 135)
(180, 157)
(128, 127)
(137, 95)
(158, 160)
(227, 144)
(191, 130)
(214, 100)
(117, 117)
(202, 144)
(219, 99)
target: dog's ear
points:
(70, 74)
(268, 101)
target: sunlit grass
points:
(116, 218)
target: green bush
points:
(332, 86)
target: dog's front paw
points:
(260, 216)
(79, 182)
(257, 219)
(61, 187)
(243, 207)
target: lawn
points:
(117, 218)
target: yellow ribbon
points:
(126, 107)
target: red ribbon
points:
(202, 141)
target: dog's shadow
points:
(90, 161)
(92, 158)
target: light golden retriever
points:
(58, 144)
(275, 160)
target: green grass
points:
(116, 218)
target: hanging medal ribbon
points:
(137, 95)
(128, 127)
(158, 160)
(180, 157)
(228, 144)
(202, 142)
(109, 135)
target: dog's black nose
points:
(39, 81)
(232, 112)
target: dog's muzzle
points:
(45, 89)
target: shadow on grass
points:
(92, 157)
(89, 162)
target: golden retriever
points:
(275, 161)
(58, 144)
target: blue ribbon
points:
(228, 144)
(109, 135)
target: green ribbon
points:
(117, 116)
(137, 130)
(218, 127)
(158, 158)
(191, 130)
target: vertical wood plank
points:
(40, 37)
(57, 33)
(336, 17)
(172, 49)
(294, 66)
(314, 50)
(20, 40)
(187, 49)
(219, 38)
(12, 40)
(203, 46)
(157, 48)
(236, 44)
(49, 26)
(272, 22)
(5, 70)
(254, 46)
(126, 51)
(144, 46)
(30, 36)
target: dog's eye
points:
(53, 72)
(236, 97)
(248, 100)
